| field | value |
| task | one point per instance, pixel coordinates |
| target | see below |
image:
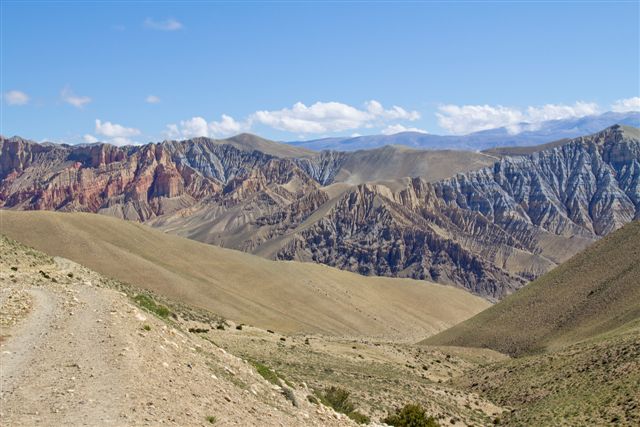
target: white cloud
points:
(472, 118)
(398, 128)
(198, 126)
(90, 139)
(323, 117)
(559, 111)
(152, 99)
(117, 134)
(226, 126)
(166, 25)
(16, 97)
(318, 118)
(69, 97)
(626, 105)
(194, 127)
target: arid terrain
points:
(79, 348)
(288, 297)
(284, 213)
(488, 223)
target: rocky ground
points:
(81, 349)
(76, 350)
(379, 375)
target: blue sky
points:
(136, 72)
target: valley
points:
(244, 374)
(305, 213)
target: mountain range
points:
(488, 222)
(529, 134)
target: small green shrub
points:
(211, 419)
(146, 302)
(338, 399)
(410, 416)
(359, 418)
(266, 373)
(146, 327)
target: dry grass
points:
(593, 293)
(284, 296)
(588, 384)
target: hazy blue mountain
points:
(544, 132)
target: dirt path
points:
(76, 352)
(64, 359)
(18, 351)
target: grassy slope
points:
(249, 142)
(592, 383)
(285, 296)
(396, 162)
(594, 292)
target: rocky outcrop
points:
(133, 183)
(489, 230)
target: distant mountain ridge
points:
(486, 223)
(483, 140)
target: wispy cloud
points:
(71, 98)
(463, 119)
(16, 97)
(626, 105)
(152, 99)
(169, 24)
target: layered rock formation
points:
(489, 230)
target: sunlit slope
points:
(286, 296)
(595, 292)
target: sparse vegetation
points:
(266, 373)
(146, 327)
(338, 399)
(211, 419)
(411, 415)
(149, 304)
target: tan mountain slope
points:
(250, 142)
(285, 296)
(595, 292)
(396, 162)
